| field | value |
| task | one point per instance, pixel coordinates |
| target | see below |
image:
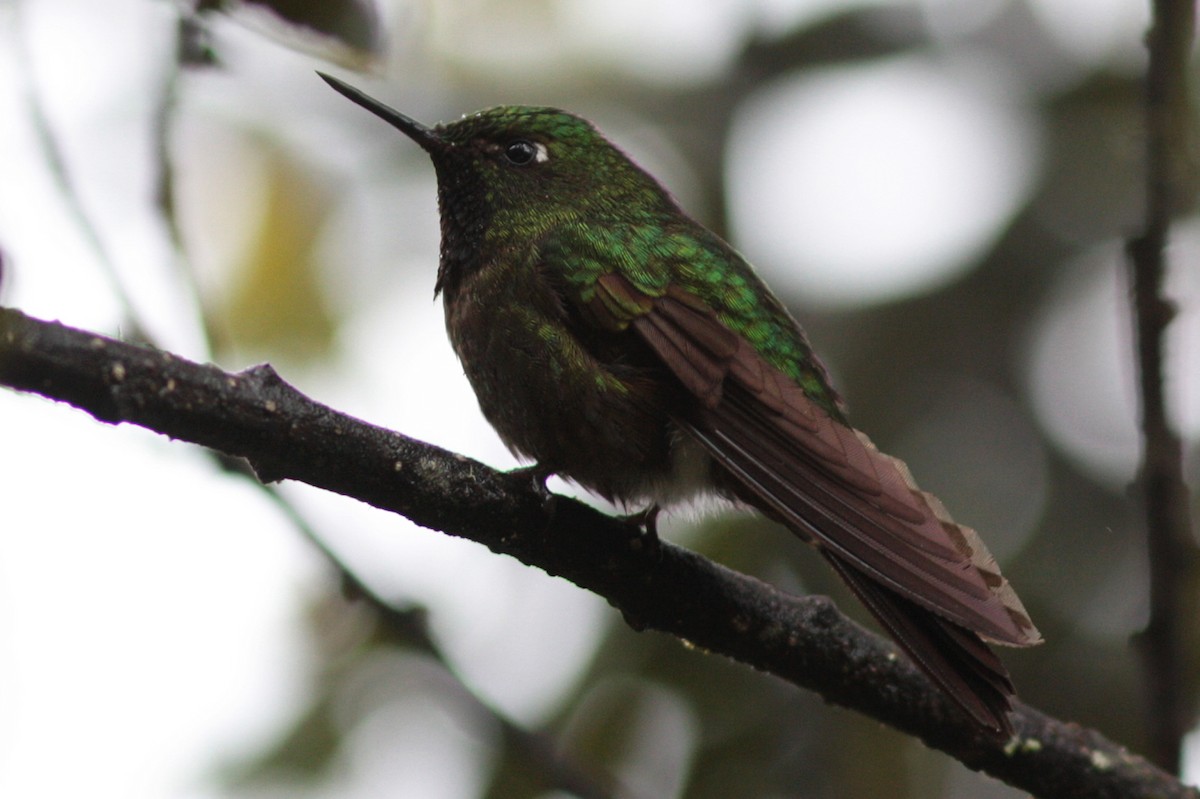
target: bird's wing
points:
(928, 580)
(818, 475)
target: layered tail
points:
(955, 658)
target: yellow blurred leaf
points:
(277, 303)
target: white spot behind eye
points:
(543, 155)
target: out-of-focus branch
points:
(52, 154)
(285, 435)
(1170, 639)
(191, 51)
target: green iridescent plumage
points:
(603, 212)
(707, 268)
(624, 346)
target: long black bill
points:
(422, 135)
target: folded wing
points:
(929, 581)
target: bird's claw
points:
(537, 475)
(645, 524)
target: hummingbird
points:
(618, 343)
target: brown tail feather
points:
(955, 658)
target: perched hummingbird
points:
(624, 346)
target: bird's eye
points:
(523, 151)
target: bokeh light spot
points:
(863, 184)
(1095, 31)
(1081, 372)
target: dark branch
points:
(285, 435)
(1170, 636)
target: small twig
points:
(190, 51)
(61, 175)
(285, 435)
(1170, 633)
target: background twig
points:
(56, 164)
(1170, 637)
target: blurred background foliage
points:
(939, 190)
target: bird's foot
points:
(645, 523)
(536, 476)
